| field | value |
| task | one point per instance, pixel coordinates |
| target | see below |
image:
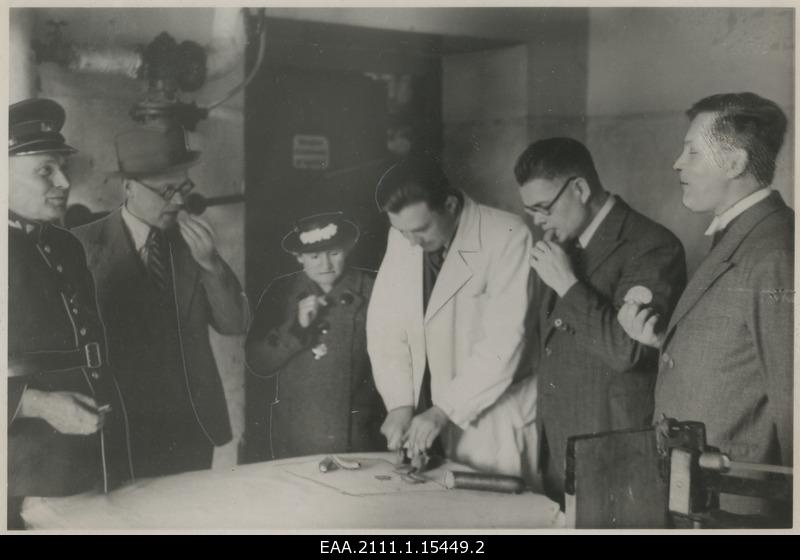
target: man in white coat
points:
(445, 325)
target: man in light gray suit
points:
(726, 354)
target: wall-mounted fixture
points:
(170, 68)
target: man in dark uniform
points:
(160, 284)
(67, 429)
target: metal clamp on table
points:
(698, 474)
(667, 477)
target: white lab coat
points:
(472, 334)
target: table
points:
(293, 495)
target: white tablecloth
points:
(293, 494)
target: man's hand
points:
(639, 322)
(308, 309)
(67, 411)
(201, 239)
(424, 429)
(396, 425)
(552, 264)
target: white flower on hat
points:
(318, 234)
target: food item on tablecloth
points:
(328, 464)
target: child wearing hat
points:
(309, 334)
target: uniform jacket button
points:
(59, 268)
(558, 323)
(83, 331)
(95, 375)
(548, 351)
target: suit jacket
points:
(591, 376)
(201, 301)
(52, 308)
(327, 404)
(472, 332)
(727, 358)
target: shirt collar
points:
(590, 230)
(25, 225)
(139, 229)
(719, 223)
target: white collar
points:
(591, 229)
(17, 224)
(719, 223)
(139, 229)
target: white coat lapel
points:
(456, 270)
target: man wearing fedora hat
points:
(161, 283)
(66, 421)
(309, 334)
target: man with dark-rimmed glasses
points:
(596, 253)
(161, 283)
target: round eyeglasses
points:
(168, 190)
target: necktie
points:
(433, 265)
(577, 256)
(156, 259)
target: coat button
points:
(47, 249)
(83, 331)
(668, 361)
(59, 268)
(558, 323)
(95, 374)
(548, 351)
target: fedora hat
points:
(34, 127)
(321, 232)
(148, 151)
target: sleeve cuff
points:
(393, 404)
(451, 411)
(297, 334)
(571, 305)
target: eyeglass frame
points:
(168, 194)
(545, 210)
